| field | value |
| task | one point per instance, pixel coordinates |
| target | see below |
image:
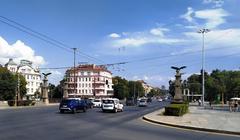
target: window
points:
(32, 83)
(31, 89)
(82, 85)
(86, 79)
(82, 73)
(79, 85)
(89, 73)
(86, 91)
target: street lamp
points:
(203, 32)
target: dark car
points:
(131, 101)
(149, 100)
(89, 103)
(72, 105)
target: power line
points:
(42, 37)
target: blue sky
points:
(152, 35)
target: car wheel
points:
(122, 110)
(103, 111)
(74, 111)
(84, 109)
(61, 111)
(115, 110)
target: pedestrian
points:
(210, 104)
(230, 106)
(236, 106)
(199, 102)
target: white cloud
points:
(188, 15)
(225, 41)
(137, 39)
(114, 35)
(213, 17)
(158, 31)
(216, 3)
(18, 51)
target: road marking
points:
(185, 129)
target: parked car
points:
(142, 103)
(72, 105)
(89, 103)
(97, 103)
(111, 104)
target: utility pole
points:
(74, 74)
(203, 32)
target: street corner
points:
(199, 119)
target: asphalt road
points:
(46, 123)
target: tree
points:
(171, 88)
(120, 87)
(23, 84)
(8, 84)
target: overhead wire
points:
(43, 37)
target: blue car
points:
(72, 105)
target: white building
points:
(147, 88)
(91, 80)
(32, 75)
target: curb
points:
(22, 107)
(192, 128)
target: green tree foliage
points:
(56, 92)
(155, 92)
(224, 84)
(123, 88)
(120, 87)
(23, 84)
(8, 84)
(171, 88)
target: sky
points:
(150, 36)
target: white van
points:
(111, 104)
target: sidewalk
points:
(201, 119)
(4, 105)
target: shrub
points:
(176, 109)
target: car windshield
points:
(66, 101)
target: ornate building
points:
(32, 75)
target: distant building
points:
(32, 75)
(147, 88)
(91, 80)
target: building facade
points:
(90, 81)
(147, 88)
(32, 75)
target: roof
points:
(90, 67)
(11, 62)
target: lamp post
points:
(203, 32)
(74, 74)
(17, 94)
